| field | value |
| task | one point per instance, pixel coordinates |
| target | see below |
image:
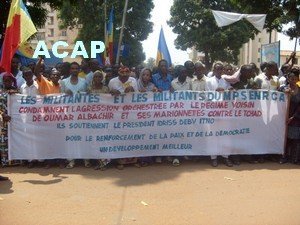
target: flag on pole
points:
(162, 50)
(110, 40)
(18, 29)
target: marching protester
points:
(16, 72)
(144, 83)
(121, 85)
(285, 69)
(181, 83)
(246, 81)
(108, 75)
(97, 87)
(71, 86)
(64, 69)
(85, 68)
(162, 80)
(228, 69)
(92, 66)
(31, 66)
(255, 69)
(199, 81)
(46, 86)
(189, 65)
(30, 88)
(217, 83)
(9, 87)
(292, 151)
(268, 80)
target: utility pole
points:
(122, 30)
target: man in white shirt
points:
(190, 67)
(15, 71)
(199, 82)
(73, 84)
(181, 83)
(123, 83)
(217, 83)
(269, 79)
(30, 87)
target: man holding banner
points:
(217, 83)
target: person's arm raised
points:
(37, 69)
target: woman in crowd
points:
(97, 87)
(9, 87)
(145, 85)
(144, 82)
(293, 135)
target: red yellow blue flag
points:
(18, 29)
(110, 36)
(162, 50)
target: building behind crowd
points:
(250, 52)
(285, 54)
(51, 32)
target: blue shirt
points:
(160, 83)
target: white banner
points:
(147, 124)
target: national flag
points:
(162, 50)
(110, 40)
(18, 29)
(26, 50)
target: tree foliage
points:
(279, 12)
(193, 21)
(89, 17)
(150, 63)
(195, 25)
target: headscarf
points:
(10, 76)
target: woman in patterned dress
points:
(9, 87)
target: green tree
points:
(195, 25)
(150, 62)
(89, 17)
(279, 12)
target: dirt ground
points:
(193, 193)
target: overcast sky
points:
(160, 16)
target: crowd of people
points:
(71, 78)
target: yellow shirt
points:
(82, 74)
(47, 87)
(298, 83)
